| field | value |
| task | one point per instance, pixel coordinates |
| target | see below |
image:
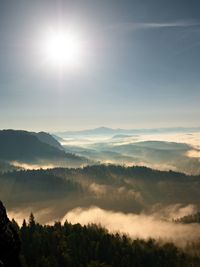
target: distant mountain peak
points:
(102, 130)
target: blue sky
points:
(140, 67)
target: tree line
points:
(93, 246)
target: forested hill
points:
(48, 139)
(26, 146)
(116, 188)
(73, 245)
(92, 246)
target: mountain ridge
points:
(111, 131)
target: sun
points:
(62, 48)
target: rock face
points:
(9, 241)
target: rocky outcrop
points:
(9, 241)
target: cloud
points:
(193, 154)
(137, 226)
(131, 26)
(20, 214)
(155, 224)
(29, 166)
(130, 193)
(173, 211)
(98, 189)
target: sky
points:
(139, 65)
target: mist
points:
(162, 150)
(142, 225)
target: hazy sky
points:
(139, 67)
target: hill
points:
(96, 131)
(111, 131)
(48, 139)
(93, 246)
(116, 188)
(29, 147)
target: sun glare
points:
(62, 49)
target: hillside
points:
(74, 245)
(31, 147)
(48, 139)
(92, 246)
(116, 188)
